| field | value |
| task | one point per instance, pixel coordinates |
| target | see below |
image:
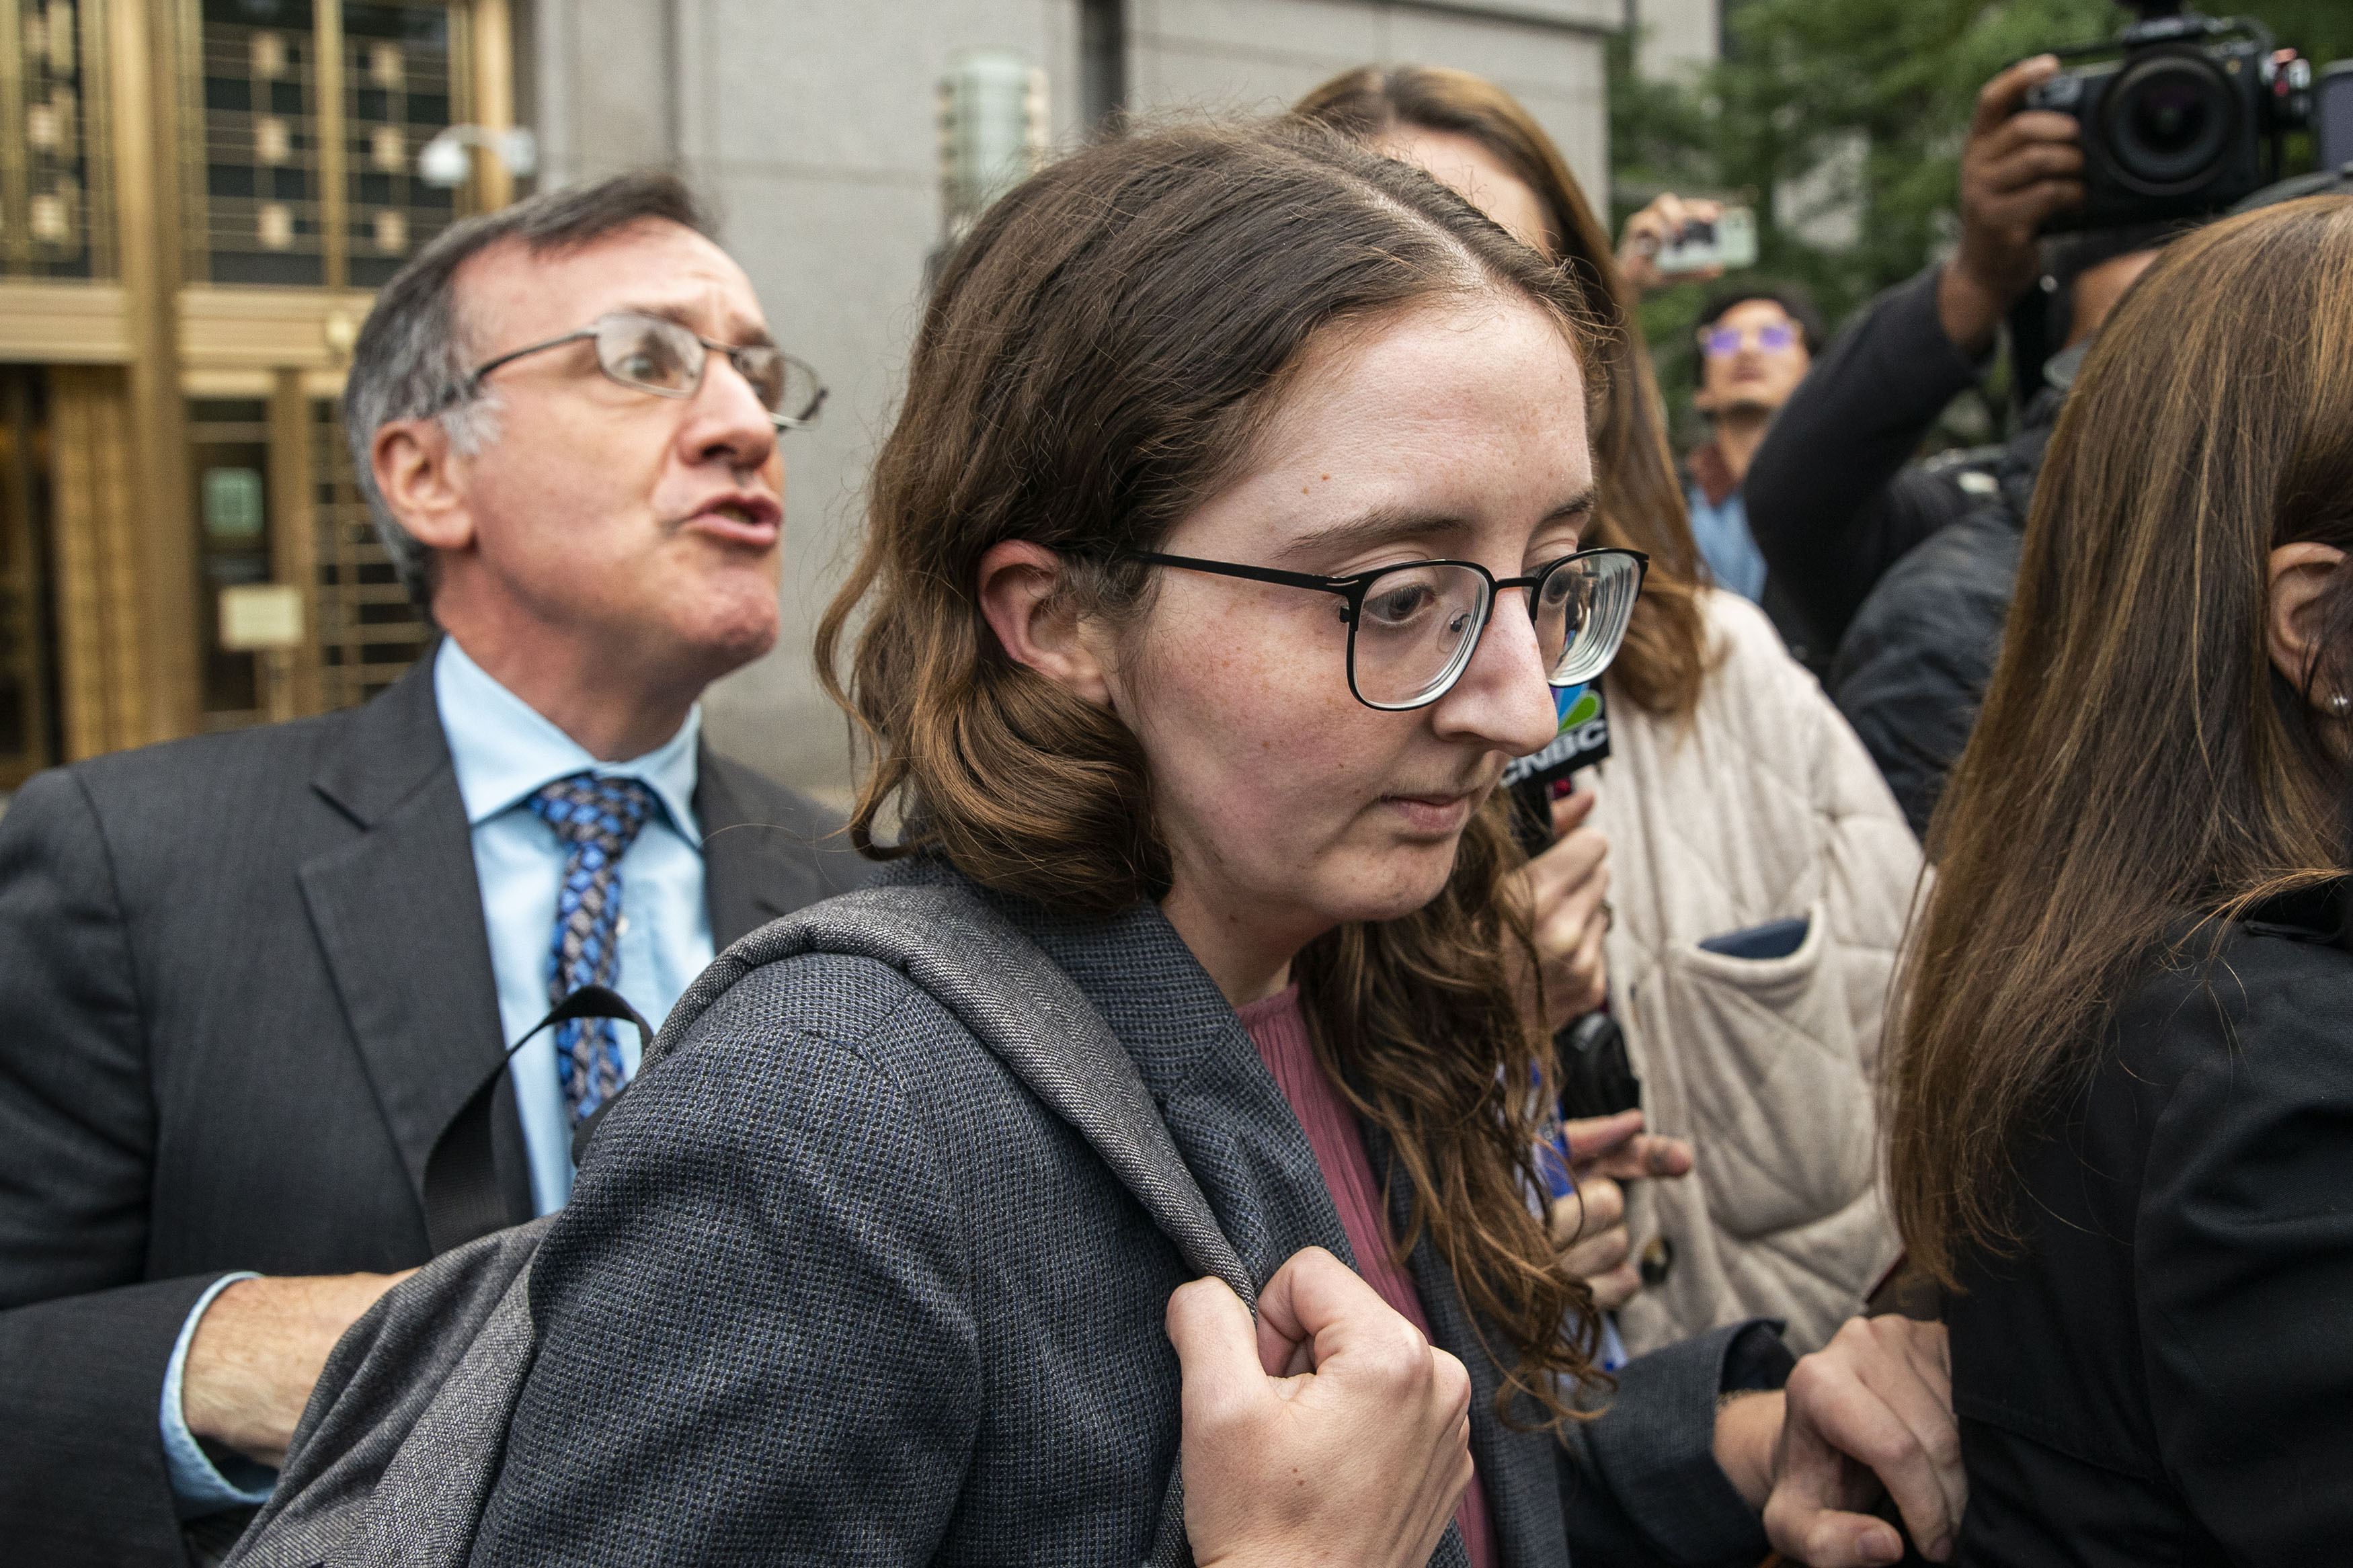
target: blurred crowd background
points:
(1841, 123)
(196, 197)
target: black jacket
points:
(2165, 1374)
(1913, 665)
(1834, 499)
(245, 985)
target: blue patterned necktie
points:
(598, 819)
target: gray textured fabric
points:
(835, 1286)
(397, 1451)
(426, 1377)
(998, 986)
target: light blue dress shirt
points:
(503, 750)
(1727, 545)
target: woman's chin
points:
(1394, 885)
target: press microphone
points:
(1597, 1078)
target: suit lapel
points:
(399, 914)
(754, 870)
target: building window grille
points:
(54, 221)
(401, 68)
(313, 114)
(264, 212)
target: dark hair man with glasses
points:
(254, 981)
(1755, 342)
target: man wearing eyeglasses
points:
(1755, 345)
(258, 986)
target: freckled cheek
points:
(1263, 713)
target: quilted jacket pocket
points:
(1781, 1113)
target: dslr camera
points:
(2181, 114)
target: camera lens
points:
(2168, 123)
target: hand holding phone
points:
(1676, 238)
(1726, 244)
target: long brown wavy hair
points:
(1094, 363)
(1641, 505)
(2139, 762)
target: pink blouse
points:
(1280, 1033)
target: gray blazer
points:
(834, 1286)
(244, 985)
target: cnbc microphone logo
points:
(1582, 739)
(1577, 706)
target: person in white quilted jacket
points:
(1735, 798)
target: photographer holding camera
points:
(1833, 500)
(1906, 572)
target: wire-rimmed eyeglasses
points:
(1413, 627)
(651, 354)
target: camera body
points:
(2182, 115)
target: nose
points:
(726, 422)
(1502, 702)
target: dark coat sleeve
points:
(83, 1346)
(1830, 499)
(1641, 1485)
(755, 1342)
(2244, 1258)
(1914, 664)
(2161, 1372)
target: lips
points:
(1433, 813)
(740, 517)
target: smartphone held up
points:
(1725, 243)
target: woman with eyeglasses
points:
(2121, 1098)
(1233, 533)
(1759, 870)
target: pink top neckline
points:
(1278, 1029)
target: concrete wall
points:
(1676, 39)
(810, 123)
(1257, 55)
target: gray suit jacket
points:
(836, 1287)
(244, 985)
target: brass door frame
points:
(25, 579)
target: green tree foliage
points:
(1807, 85)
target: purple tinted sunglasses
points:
(1722, 343)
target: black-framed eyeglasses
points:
(651, 354)
(1413, 627)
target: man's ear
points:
(416, 474)
(2301, 574)
(1037, 625)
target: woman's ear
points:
(2300, 575)
(1035, 622)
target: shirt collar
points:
(505, 749)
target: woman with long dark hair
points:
(1228, 541)
(2121, 1101)
(1735, 800)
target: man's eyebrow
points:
(745, 335)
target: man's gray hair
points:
(415, 352)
